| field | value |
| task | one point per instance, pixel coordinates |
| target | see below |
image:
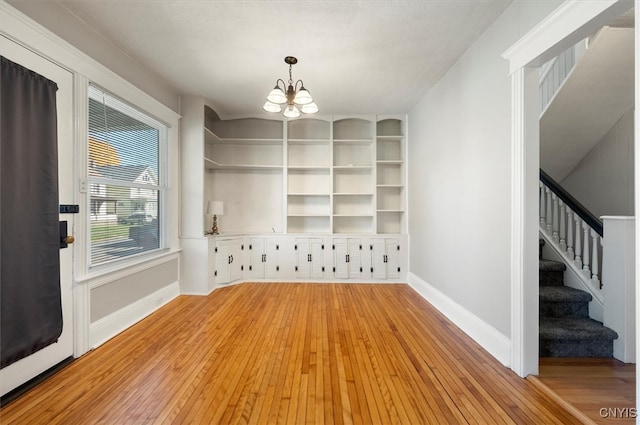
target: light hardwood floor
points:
(289, 353)
(603, 390)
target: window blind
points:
(127, 179)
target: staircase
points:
(565, 327)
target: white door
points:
(21, 371)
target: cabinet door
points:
(316, 250)
(211, 264)
(271, 265)
(256, 266)
(235, 260)
(392, 259)
(222, 263)
(354, 258)
(378, 259)
(303, 257)
(341, 268)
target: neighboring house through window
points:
(127, 179)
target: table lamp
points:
(215, 208)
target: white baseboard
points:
(498, 345)
(111, 325)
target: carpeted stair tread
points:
(551, 266)
(565, 328)
(563, 294)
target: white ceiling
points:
(355, 57)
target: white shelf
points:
(390, 162)
(309, 167)
(352, 194)
(212, 165)
(389, 185)
(392, 138)
(352, 167)
(353, 215)
(308, 215)
(307, 194)
(210, 136)
(239, 141)
(353, 141)
(390, 211)
(308, 141)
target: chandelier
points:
(296, 97)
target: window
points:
(127, 179)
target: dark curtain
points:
(30, 303)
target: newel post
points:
(618, 284)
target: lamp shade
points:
(291, 112)
(309, 108)
(271, 107)
(277, 96)
(215, 208)
(303, 97)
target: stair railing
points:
(555, 72)
(576, 232)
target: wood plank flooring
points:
(291, 353)
(590, 385)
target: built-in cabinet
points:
(228, 256)
(288, 257)
(328, 191)
(385, 258)
(263, 258)
(309, 258)
(347, 258)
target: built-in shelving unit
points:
(390, 176)
(308, 176)
(340, 175)
(244, 162)
(353, 175)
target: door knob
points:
(69, 239)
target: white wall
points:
(59, 20)
(603, 180)
(105, 301)
(459, 174)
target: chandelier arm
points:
(284, 85)
(296, 87)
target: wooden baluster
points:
(549, 207)
(555, 219)
(570, 234)
(543, 206)
(595, 267)
(578, 258)
(563, 227)
(586, 266)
